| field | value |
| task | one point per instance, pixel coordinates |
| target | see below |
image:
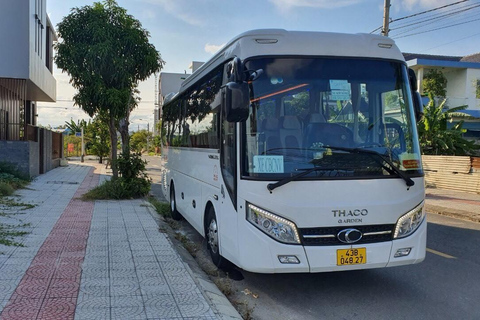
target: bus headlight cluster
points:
(276, 227)
(409, 222)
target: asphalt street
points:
(444, 286)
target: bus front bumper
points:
(262, 254)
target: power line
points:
(437, 14)
(463, 18)
(476, 34)
(444, 27)
(427, 11)
(442, 16)
(420, 13)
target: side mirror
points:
(412, 78)
(235, 70)
(416, 98)
(236, 101)
(417, 105)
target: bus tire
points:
(173, 205)
(211, 234)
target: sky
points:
(193, 30)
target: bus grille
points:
(327, 236)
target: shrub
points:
(132, 183)
(5, 189)
(11, 179)
(119, 188)
(131, 166)
(6, 167)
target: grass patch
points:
(162, 208)
(187, 244)
(9, 233)
(8, 202)
(120, 188)
(11, 169)
(6, 189)
(11, 179)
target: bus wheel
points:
(173, 205)
(211, 234)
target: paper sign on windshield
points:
(268, 164)
(340, 90)
(409, 161)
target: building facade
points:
(26, 64)
(463, 82)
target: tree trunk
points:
(124, 134)
(113, 141)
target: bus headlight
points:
(276, 227)
(409, 222)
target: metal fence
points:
(12, 108)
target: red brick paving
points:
(50, 286)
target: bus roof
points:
(279, 42)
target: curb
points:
(219, 303)
(454, 213)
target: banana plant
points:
(435, 136)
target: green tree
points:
(139, 140)
(98, 138)
(435, 136)
(106, 53)
(435, 83)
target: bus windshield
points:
(321, 113)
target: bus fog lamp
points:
(409, 222)
(274, 226)
(288, 260)
(402, 252)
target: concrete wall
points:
(24, 154)
(455, 82)
(471, 88)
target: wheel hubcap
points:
(213, 236)
(172, 201)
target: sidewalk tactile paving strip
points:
(50, 286)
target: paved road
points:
(445, 286)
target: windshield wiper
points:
(392, 170)
(272, 186)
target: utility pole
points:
(386, 18)
(83, 147)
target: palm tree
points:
(75, 127)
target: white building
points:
(463, 82)
(26, 63)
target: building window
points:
(39, 27)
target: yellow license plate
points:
(347, 257)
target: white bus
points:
(298, 152)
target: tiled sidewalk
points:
(127, 270)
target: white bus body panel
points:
(195, 174)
